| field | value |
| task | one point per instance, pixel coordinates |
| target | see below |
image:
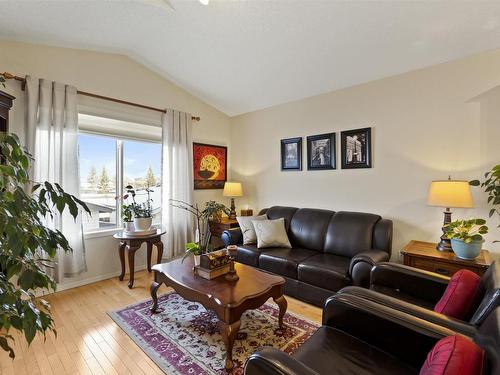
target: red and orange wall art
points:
(209, 166)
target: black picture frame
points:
(356, 148)
(322, 151)
(291, 154)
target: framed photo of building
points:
(291, 154)
(209, 166)
(356, 148)
(321, 151)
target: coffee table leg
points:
(282, 304)
(228, 332)
(154, 289)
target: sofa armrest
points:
(414, 310)
(362, 263)
(271, 361)
(426, 285)
(232, 236)
(383, 327)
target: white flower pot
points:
(197, 260)
(129, 226)
(143, 223)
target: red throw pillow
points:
(454, 355)
(458, 298)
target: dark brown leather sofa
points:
(330, 250)
(363, 337)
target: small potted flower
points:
(127, 212)
(466, 237)
(143, 212)
(193, 248)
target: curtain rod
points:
(7, 75)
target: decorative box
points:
(214, 259)
(247, 212)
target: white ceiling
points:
(241, 56)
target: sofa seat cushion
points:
(325, 271)
(284, 261)
(248, 254)
(391, 292)
(333, 352)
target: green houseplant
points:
(491, 185)
(27, 246)
(202, 217)
(466, 237)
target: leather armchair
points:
(359, 337)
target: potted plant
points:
(466, 237)
(491, 185)
(202, 232)
(143, 212)
(127, 212)
(214, 210)
(27, 245)
(193, 248)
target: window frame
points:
(119, 154)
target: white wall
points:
(116, 76)
(424, 129)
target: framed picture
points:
(291, 154)
(321, 151)
(356, 148)
(209, 166)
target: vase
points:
(129, 226)
(467, 251)
(197, 260)
(143, 223)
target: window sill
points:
(101, 233)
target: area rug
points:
(184, 337)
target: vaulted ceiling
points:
(240, 56)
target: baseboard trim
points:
(91, 280)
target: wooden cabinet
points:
(6, 101)
(423, 255)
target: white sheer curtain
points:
(177, 176)
(52, 137)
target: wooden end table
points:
(133, 243)
(423, 255)
(228, 299)
(218, 227)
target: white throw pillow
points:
(246, 226)
(271, 233)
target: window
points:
(107, 164)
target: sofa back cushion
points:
(278, 212)
(308, 228)
(458, 300)
(454, 355)
(349, 233)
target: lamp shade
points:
(450, 193)
(232, 189)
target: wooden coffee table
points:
(229, 300)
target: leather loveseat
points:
(330, 250)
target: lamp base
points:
(445, 243)
(232, 214)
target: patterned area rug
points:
(184, 337)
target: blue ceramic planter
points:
(464, 250)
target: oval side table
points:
(131, 244)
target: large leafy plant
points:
(27, 246)
(491, 185)
(466, 230)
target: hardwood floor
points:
(88, 341)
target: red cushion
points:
(458, 298)
(454, 355)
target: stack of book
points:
(213, 265)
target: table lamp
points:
(449, 194)
(232, 190)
